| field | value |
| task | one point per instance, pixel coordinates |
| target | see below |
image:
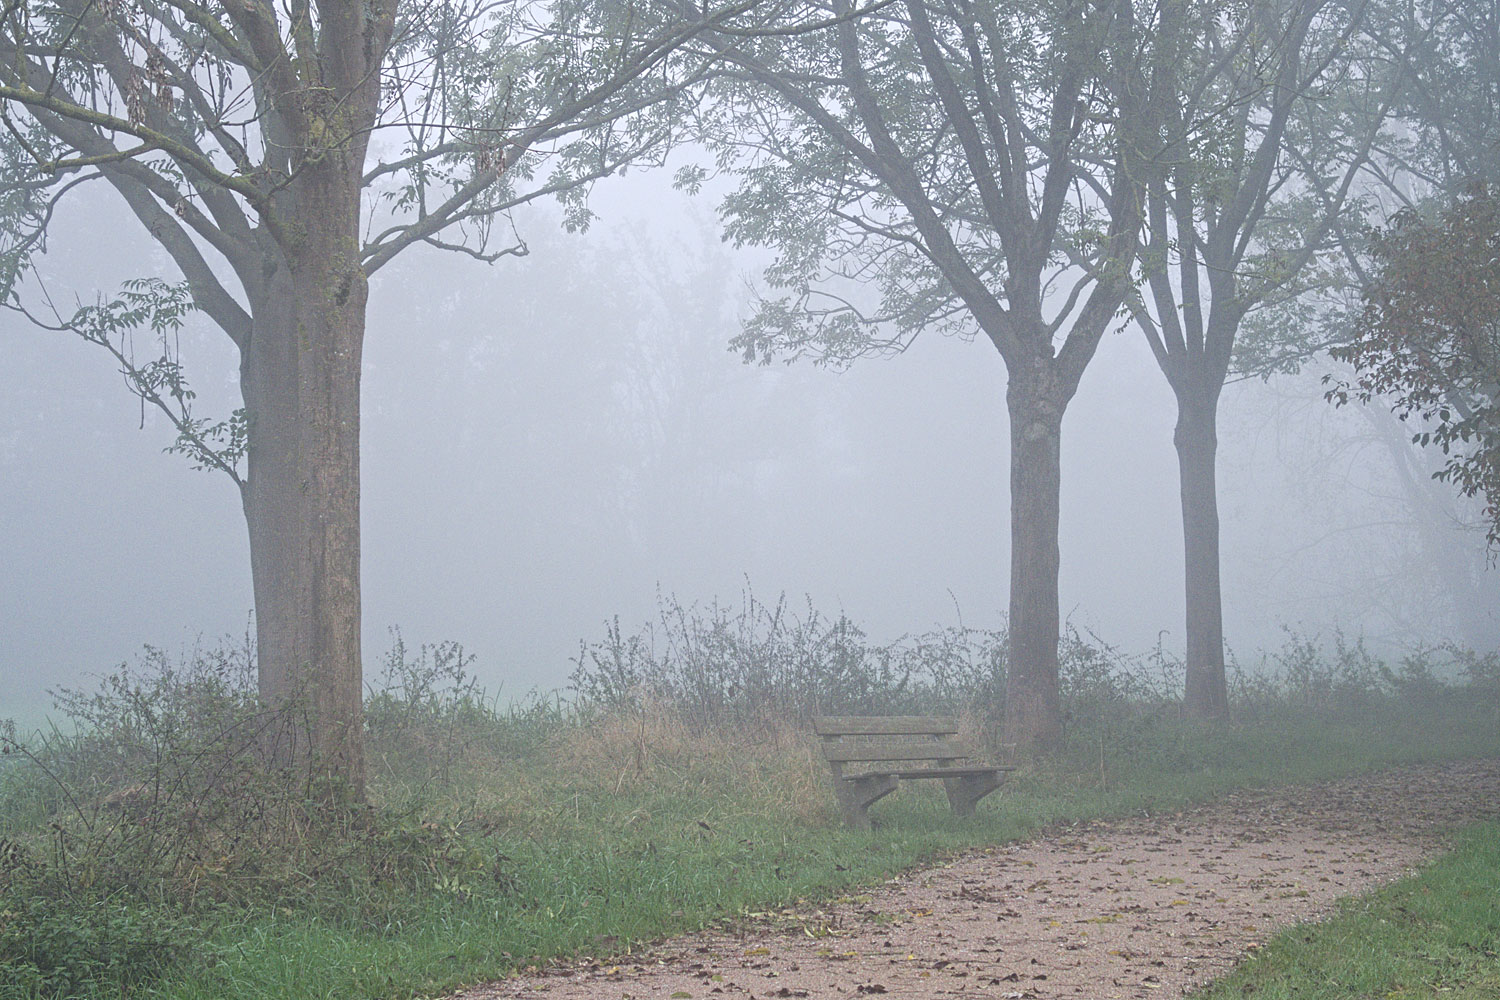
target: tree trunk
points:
(1033, 711)
(1196, 438)
(301, 381)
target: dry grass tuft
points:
(771, 765)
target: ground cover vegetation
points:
(148, 848)
(1435, 934)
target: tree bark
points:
(1033, 709)
(1206, 694)
(300, 376)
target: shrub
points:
(159, 799)
(428, 721)
(61, 945)
(758, 665)
(762, 663)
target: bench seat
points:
(934, 772)
(898, 742)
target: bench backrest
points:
(885, 725)
(892, 737)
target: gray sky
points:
(549, 440)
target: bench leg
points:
(965, 793)
(856, 795)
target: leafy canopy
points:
(1429, 339)
(934, 165)
(216, 122)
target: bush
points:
(159, 805)
(428, 721)
(1307, 673)
(760, 664)
(719, 666)
(1481, 673)
(63, 945)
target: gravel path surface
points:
(1139, 907)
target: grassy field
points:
(1436, 935)
(503, 839)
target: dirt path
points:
(1142, 907)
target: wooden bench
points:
(901, 740)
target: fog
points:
(553, 440)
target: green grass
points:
(1434, 935)
(623, 835)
